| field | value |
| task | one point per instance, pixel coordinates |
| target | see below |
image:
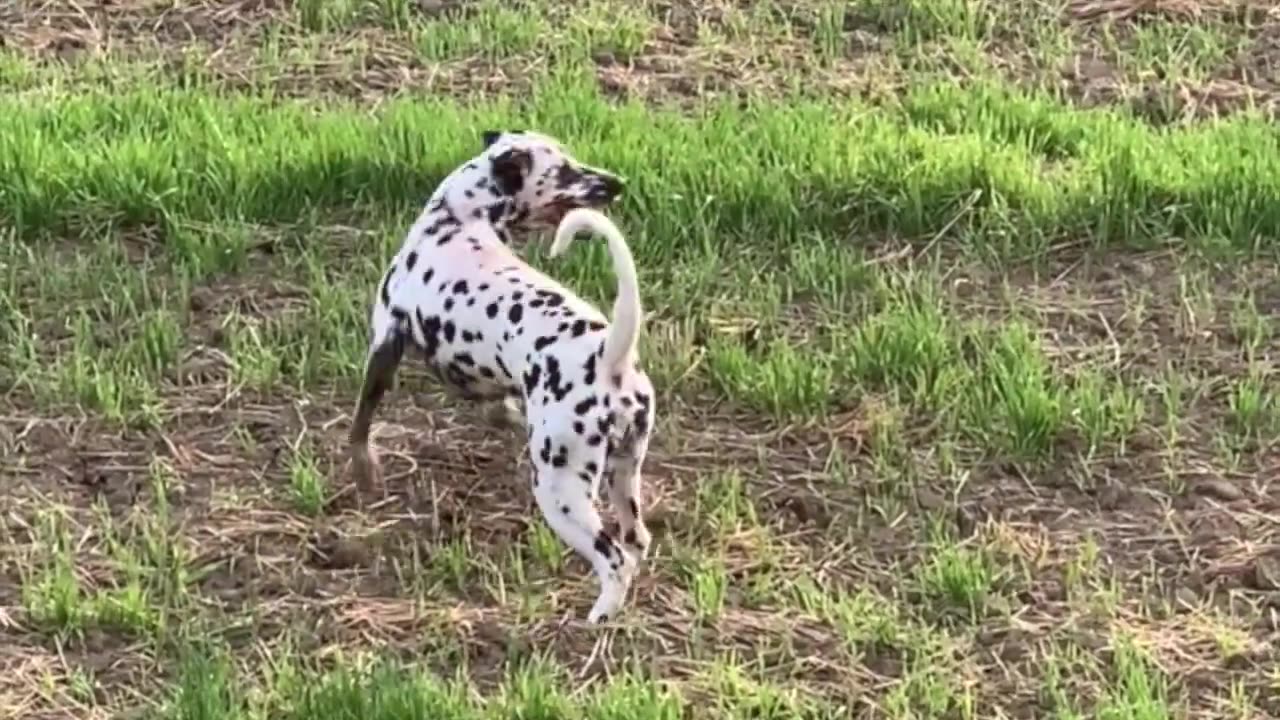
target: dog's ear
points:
(511, 168)
(490, 137)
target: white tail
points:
(624, 330)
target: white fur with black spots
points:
(495, 328)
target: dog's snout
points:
(608, 187)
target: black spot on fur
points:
(594, 440)
(583, 407)
(446, 238)
(592, 467)
(531, 379)
(604, 544)
(430, 334)
(544, 342)
(502, 367)
(427, 275)
(456, 375)
(643, 399)
(561, 457)
(514, 313)
(410, 260)
(448, 304)
(579, 327)
(578, 427)
(464, 358)
(491, 310)
(555, 380)
(552, 298)
(487, 373)
(590, 367)
(642, 421)
(449, 330)
(460, 287)
(385, 292)
(635, 509)
(545, 452)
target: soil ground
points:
(1167, 540)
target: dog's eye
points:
(567, 175)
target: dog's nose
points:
(610, 187)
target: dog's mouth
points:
(555, 212)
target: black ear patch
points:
(492, 136)
(510, 169)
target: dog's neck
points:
(468, 195)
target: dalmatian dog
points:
(495, 328)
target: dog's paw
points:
(639, 540)
(607, 605)
(506, 414)
(365, 468)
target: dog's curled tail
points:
(624, 330)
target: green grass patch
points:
(1039, 170)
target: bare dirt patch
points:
(1168, 61)
(1183, 551)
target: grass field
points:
(965, 319)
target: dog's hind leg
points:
(565, 497)
(622, 476)
(385, 353)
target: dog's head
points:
(541, 181)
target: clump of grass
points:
(1017, 397)
(780, 379)
(1105, 410)
(327, 15)
(909, 348)
(308, 488)
(52, 594)
(919, 21)
(1136, 690)
(150, 573)
(963, 577)
(493, 30)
